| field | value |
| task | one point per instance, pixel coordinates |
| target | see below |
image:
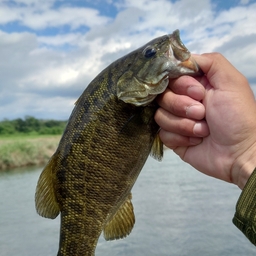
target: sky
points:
(50, 50)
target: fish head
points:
(148, 75)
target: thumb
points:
(219, 71)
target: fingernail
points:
(197, 130)
(195, 111)
(201, 129)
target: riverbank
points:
(20, 151)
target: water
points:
(179, 212)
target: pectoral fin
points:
(122, 222)
(157, 148)
(46, 203)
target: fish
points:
(109, 136)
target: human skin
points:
(210, 121)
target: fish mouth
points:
(192, 66)
(181, 56)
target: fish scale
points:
(115, 178)
(109, 136)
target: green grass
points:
(19, 151)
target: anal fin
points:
(122, 222)
(45, 200)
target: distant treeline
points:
(31, 125)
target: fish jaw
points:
(191, 67)
(171, 60)
(180, 55)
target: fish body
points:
(108, 138)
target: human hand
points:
(223, 146)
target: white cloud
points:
(244, 1)
(35, 15)
(70, 16)
(42, 107)
(38, 3)
(50, 71)
(72, 39)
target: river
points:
(179, 212)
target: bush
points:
(24, 151)
(31, 125)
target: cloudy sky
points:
(50, 50)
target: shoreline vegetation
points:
(28, 141)
(21, 151)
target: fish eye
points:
(149, 52)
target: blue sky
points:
(50, 50)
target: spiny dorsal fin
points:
(122, 222)
(46, 203)
(157, 148)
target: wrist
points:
(244, 167)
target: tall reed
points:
(19, 152)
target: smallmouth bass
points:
(108, 138)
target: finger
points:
(173, 140)
(180, 105)
(179, 125)
(187, 85)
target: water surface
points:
(179, 212)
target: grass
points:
(19, 151)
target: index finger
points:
(189, 86)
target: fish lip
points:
(177, 50)
(189, 65)
(192, 65)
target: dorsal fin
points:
(46, 203)
(122, 222)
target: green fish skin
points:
(108, 138)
